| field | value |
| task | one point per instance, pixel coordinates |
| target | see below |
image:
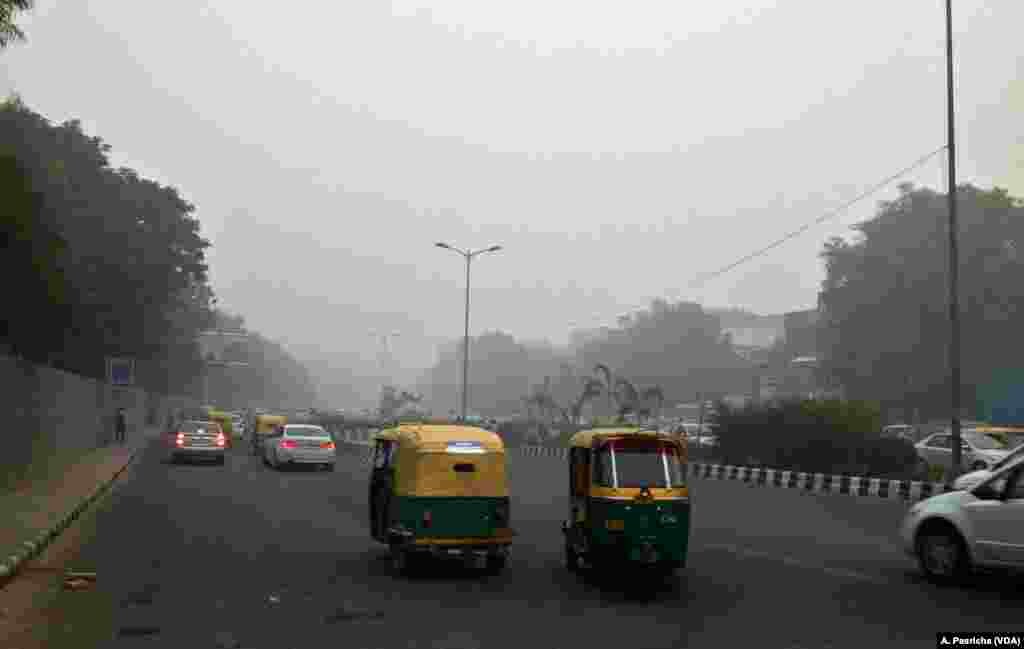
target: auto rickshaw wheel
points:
(572, 558)
(496, 564)
(401, 560)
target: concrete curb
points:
(885, 489)
(30, 549)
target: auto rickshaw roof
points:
(437, 436)
(586, 438)
(269, 417)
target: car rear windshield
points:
(305, 431)
(196, 426)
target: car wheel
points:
(221, 460)
(942, 554)
(329, 467)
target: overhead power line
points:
(827, 217)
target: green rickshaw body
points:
(658, 530)
(629, 502)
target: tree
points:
(609, 385)
(592, 389)
(119, 258)
(884, 328)
(9, 31)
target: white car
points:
(978, 451)
(970, 480)
(294, 444)
(952, 533)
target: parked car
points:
(953, 533)
(293, 444)
(970, 480)
(194, 439)
(979, 451)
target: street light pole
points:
(465, 346)
(954, 263)
(468, 255)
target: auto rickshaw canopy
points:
(267, 423)
(586, 438)
(444, 460)
(224, 419)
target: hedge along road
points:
(243, 556)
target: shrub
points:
(814, 436)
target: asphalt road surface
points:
(246, 557)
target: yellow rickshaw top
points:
(434, 437)
(585, 438)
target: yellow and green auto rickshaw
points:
(226, 424)
(264, 425)
(440, 491)
(628, 502)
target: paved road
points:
(243, 556)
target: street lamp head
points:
(493, 249)
(440, 244)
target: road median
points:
(818, 483)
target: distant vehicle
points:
(952, 533)
(293, 444)
(262, 426)
(971, 480)
(979, 451)
(901, 431)
(194, 439)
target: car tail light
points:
(220, 439)
(288, 443)
(327, 445)
(427, 519)
(181, 439)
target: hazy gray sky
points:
(617, 150)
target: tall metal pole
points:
(954, 263)
(465, 348)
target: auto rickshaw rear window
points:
(464, 468)
(638, 463)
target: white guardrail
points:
(905, 490)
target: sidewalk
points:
(37, 507)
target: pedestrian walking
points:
(121, 426)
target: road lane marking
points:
(796, 563)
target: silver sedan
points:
(196, 440)
(295, 444)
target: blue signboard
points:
(465, 447)
(121, 371)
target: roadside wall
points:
(47, 412)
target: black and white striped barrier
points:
(905, 490)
